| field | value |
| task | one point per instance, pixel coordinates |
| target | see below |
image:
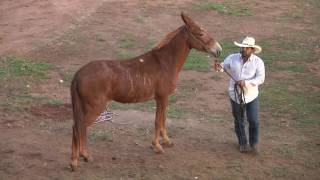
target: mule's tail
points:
(77, 119)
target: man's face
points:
(246, 51)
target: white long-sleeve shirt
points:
(252, 72)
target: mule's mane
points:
(168, 38)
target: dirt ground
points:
(36, 143)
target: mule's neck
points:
(175, 51)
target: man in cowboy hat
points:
(247, 72)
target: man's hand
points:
(241, 83)
(217, 66)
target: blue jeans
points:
(252, 111)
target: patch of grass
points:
(279, 171)
(140, 19)
(216, 78)
(173, 111)
(291, 67)
(187, 88)
(125, 55)
(127, 43)
(287, 55)
(197, 61)
(13, 66)
(292, 15)
(302, 103)
(287, 151)
(21, 101)
(67, 76)
(308, 3)
(224, 8)
(212, 6)
(99, 38)
(55, 101)
(312, 164)
(228, 48)
(150, 45)
(314, 3)
(295, 51)
(173, 98)
(148, 106)
(2, 72)
(102, 135)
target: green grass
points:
(287, 55)
(150, 106)
(228, 48)
(145, 106)
(127, 43)
(19, 102)
(301, 103)
(287, 151)
(173, 111)
(67, 76)
(224, 8)
(12, 67)
(293, 94)
(125, 55)
(279, 171)
(151, 44)
(293, 15)
(197, 61)
(291, 67)
(216, 78)
(103, 135)
(176, 112)
(140, 19)
(54, 101)
(2, 72)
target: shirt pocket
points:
(249, 73)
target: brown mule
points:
(152, 75)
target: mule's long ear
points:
(193, 26)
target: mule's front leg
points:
(163, 131)
(160, 114)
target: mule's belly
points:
(133, 96)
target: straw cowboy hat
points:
(249, 42)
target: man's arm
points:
(219, 67)
(259, 77)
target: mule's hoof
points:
(73, 165)
(167, 144)
(87, 157)
(157, 149)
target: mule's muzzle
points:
(216, 50)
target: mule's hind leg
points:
(75, 148)
(83, 146)
(92, 114)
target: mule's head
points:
(199, 38)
